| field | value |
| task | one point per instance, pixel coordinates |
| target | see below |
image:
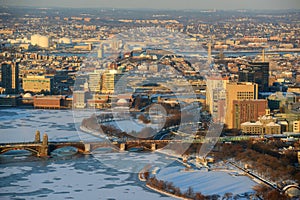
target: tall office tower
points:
(257, 72)
(10, 77)
(238, 91)
(112, 79)
(216, 96)
(248, 110)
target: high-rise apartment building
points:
(238, 91)
(256, 72)
(10, 77)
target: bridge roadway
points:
(45, 149)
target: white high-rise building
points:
(216, 96)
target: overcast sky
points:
(160, 4)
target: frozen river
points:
(105, 174)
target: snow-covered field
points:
(208, 183)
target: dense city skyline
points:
(156, 4)
(125, 101)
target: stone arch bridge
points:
(41, 150)
(44, 147)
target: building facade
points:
(265, 125)
(247, 110)
(49, 102)
(238, 91)
(253, 128)
(38, 83)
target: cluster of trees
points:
(267, 166)
(109, 130)
(144, 119)
(90, 123)
(264, 159)
(172, 120)
(266, 193)
(140, 102)
(171, 110)
(184, 148)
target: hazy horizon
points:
(160, 4)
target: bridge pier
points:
(122, 146)
(153, 146)
(87, 148)
(44, 150)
